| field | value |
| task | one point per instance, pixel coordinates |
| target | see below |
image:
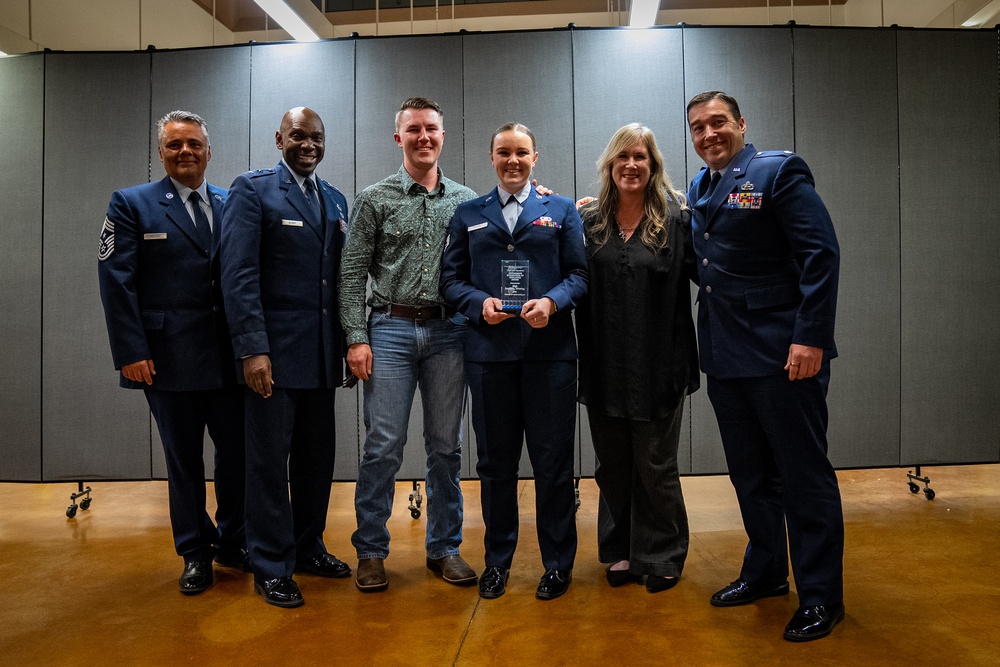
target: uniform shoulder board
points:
(781, 154)
(332, 187)
(259, 172)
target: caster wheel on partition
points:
(71, 511)
(914, 488)
(85, 504)
(415, 501)
(929, 493)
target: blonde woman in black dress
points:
(638, 358)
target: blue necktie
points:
(707, 197)
(313, 200)
(510, 216)
(716, 177)
(201, 229)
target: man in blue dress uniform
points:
(159, 279)
(282, 235)
(768, 264)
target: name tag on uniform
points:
(745, 200)
(159, 236)
(291, 223)
(481, 225)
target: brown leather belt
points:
(416, 312)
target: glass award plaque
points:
(513, 284)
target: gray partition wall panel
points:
(318, 75)
(586, 457)
(388, 72)
(536, 91)
(607, 96)
(96, 141)
(755, 66)
(391, 70)
(350, 432)
(21, 106)
(215, 84)
(499, 89)
(846, 129)
(949, 148)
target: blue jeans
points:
(407, 354)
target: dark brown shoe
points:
(453, 569)
(371, 575)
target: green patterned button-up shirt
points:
(396, 234)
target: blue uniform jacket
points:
(160, 289)
(768, 265)
(279, 277)
(549, 235)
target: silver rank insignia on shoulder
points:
(106, 247)
(747, 187)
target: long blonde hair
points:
(653, 229)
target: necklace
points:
(625, 232)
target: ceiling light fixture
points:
(286, 17)
(643, 13)
(983, 15)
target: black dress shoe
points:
(281, 592)
(814, 622)
(324, 565)
(238, 559)
(197, 577)
(742, 592)
(493, 583)
(657, 584)
(553, 584)
(621, 577)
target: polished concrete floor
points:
(922, 588)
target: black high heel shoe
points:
(621, 577)
(657, 584)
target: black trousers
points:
(291, 444)
(641, 517)
(514, 402)
(774, 434)
(181, 418)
